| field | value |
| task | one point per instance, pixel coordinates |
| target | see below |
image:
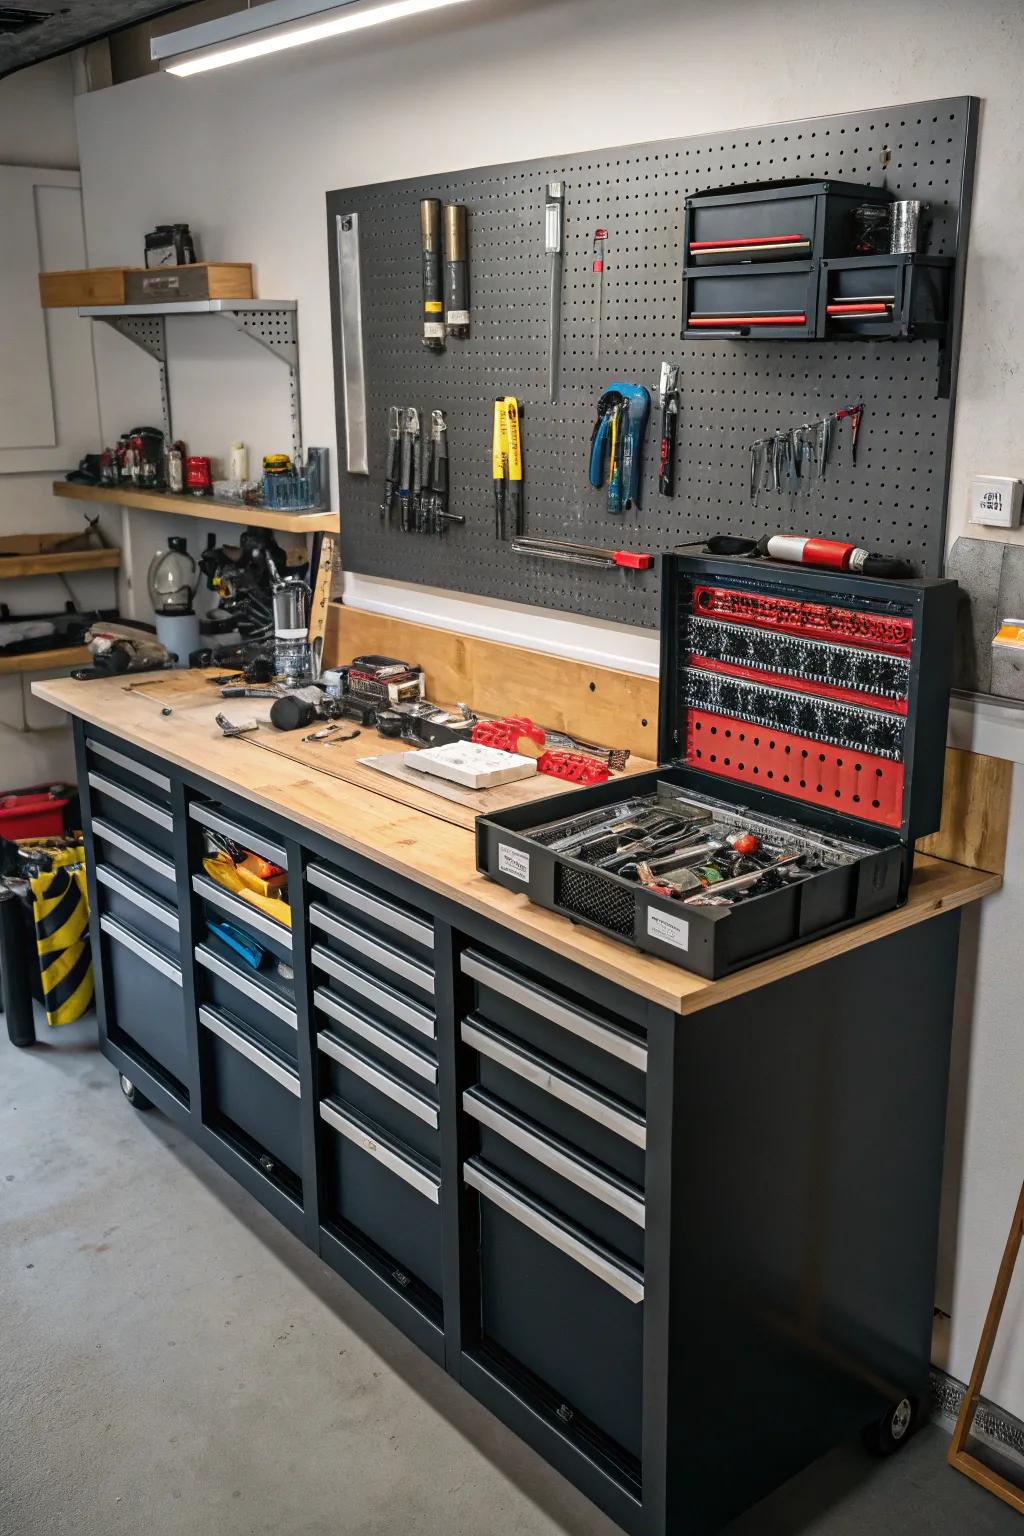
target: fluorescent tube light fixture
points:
(272, 27)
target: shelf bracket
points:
(278, 331)
(149, 333)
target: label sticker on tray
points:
(668, 928)
(514, 862)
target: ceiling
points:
(31, 30)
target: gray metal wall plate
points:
(893, 499)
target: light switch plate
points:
(995, 501)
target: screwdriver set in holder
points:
(802, 732)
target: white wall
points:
(37, 128)
(248, 154)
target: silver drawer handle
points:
(354, 1061)
(388, 1043)
(147, 952)
(256, 841)
(554, 1154)
(561, 1085)
(622, 1277)
(210, 891)
(372, 948)
(385, 997)
(133, 801)
(108, 834)
(373, 906)
(218, 1025)
(616, 1042)
(141, 770)
(247, 987)
(389, 1157)
(115, 881)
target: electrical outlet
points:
(995, 501)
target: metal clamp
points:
(385, 1082)
(136, 850)
(248, 988)
(608, 1038)
(142, 770)
(560, 1084)
(373, 906)
(556, 1155)
(622, 1277)
(217, 896)
(416, 1175)
(147, 952)
(134, 802)
(218, 1024)
(385, 1040)
(210, 816)
(378, 992)
(374, 949)
(114, 880)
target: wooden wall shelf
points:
(206, 508)
(71, 560)
(43, 661)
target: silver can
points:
(908, 227)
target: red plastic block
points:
(818, 621)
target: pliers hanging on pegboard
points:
(616, 443)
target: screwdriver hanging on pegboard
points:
(499, 465)
(433, 298)
(554, 245)
(600, 236)
(391, 471)
(668, 395)
(515, 466)
(410, 444)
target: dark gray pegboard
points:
(893, 499)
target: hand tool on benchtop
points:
(433, 298)
(554, 246)
(615, 757)
(499, 465)
(515, 467)
(353, 374)
(391, 467)
(583, 554)
(668, 396)
(236, 727)
(410, 448)
(456, 270)
(600, 236)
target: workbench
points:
(680, 1235)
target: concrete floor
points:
(173, 1363)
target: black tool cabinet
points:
(681, 1256)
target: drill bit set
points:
(802, 732)
(416, 471)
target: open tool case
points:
(797, 703)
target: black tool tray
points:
(806, 706)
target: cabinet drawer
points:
(267, 1009)
(131, 811)
(149, 915)
(372, 994)
(145, 1000)
(209, 813)
(558, 1303)
(594, 1046)
(131, 772)
(408, 1114)
(255, 1090)
(386, 1198)
(134, 857)
(382, 915)
(219, 905)
(406, 1058)
(358, 946)
(585, 1192)
(597, 1123)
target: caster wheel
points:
(893, 1429)
(135, 1096)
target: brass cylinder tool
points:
(433, 299)
(456, 270)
